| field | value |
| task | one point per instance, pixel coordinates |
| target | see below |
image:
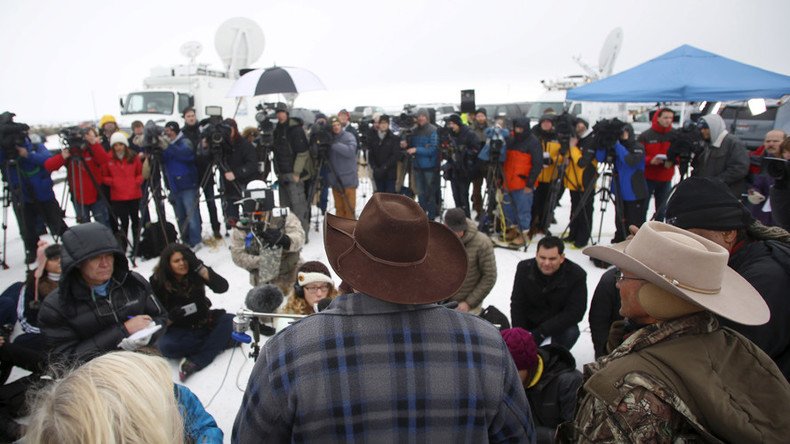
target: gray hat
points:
(423, 112)
(455, 219)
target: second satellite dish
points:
(191, 50)
(239, 42)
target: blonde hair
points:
(117, 398)
(298, 305)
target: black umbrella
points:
(275, 80)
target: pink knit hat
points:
(522, 348)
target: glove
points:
(272, 236)
(284, 242)
(214, 316)
(193, 262)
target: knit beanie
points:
(456, 119)
(707, 203)
(312, 272)
(522, 348)
(455, 219)
(118, 137)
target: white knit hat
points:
(118, 137)
(313, 277)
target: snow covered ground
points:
(220, 385)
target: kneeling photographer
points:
(267, 240)
(460, 147)
(29, 182)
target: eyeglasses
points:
(317, 288)
(618, 277)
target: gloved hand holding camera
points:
(275, 237)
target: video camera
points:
(564, 129)
(606, 133)
(265, 125)
(495, 143)
(363, 128)
(777, 168)
(73, 138)
(686, 141)
(152, 136)
(12, 135)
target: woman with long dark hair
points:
(195, 333)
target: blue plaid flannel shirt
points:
(366, 370)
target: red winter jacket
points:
(124, 178)
(79, 180)
(656, 140)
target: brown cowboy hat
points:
(689, 266)
(394, 253)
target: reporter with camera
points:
(383, 155)
(191, 131)
(724, 156)
(291, 155)
(423, 143)
(83, 167)
(461, 166)
(658, 169)
(196, 334)
(241, 161)
(523, 163)
(552, 158)
(267, 241)
(179, 166)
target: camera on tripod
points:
(73, 138)
(265, 137)
(217, 135)
(12, 135)
(686, 142)
(495, 144)
(564, 129)
(152, 135)
(606, 133)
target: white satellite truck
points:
(169, 90)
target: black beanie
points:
(707, 203)
(456, 119)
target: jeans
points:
(518, 208)
(199, 345)
(385, 186)
(99, 209)
(660, 191)
(185, 204)
(567, 338)
(460, 190)
(426, 193)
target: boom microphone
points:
(264, 299)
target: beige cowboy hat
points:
(394, 253)
(689, 266)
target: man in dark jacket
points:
(461, 166)
(99, 302)
(291, 155)
(240, 166)
(604, 311)
(724, 157)
(658, 169)
(191, 131)
(760, 254)
(479, 125)
(549, 295)
(549, 377)
(182, 181)
(383, 154)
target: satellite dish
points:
(191, 50)
(239, 42)
(609, 52)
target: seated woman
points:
(313, 283)
(120, 397)
(195, 333)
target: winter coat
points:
(250, 259)
(551, 154)
(242, 160)
(36, 183)
(199, 425)
(582, 169)
(604, 310)
(766, 265)
(343, 158)
(523, 162)
(462, 166)
(724, 157)
(492, 132)
(383, 155)
(179, 163)
(685, 379)
(80, 326)
(35, 289)
(124, 178)
(192, 290)
(655, 141)
(289, 141)
(762, 183)
(425, 139)
(418, 373)
(202, 156)
(629, 161)
(480, 267)
(81, 180)
(552, 400)
(548, 305)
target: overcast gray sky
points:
(61, 58)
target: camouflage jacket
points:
(266, 264)
(683, 380)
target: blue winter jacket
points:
(179, 163)
(343, 157)
(36, 183)
(199, 425)
(425, 139)
(630, 167)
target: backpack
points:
(154, 241)
(496, 317)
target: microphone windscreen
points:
(264, 299)
(322, 304)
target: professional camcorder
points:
(265, 125)
(564, 129)
(217, 135)
(777, 168)
(686, 141)
(606, 133)
(73, 138)
(12, 135)
(321, 139)
(152, 137)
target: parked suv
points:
(751, 129)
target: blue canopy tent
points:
(685, 74)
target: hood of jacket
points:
(85, 241)
(655, 126)
(718, 129)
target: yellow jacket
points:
(549, 172)
(576, 176)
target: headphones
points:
(298, 290)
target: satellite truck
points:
(169, 90)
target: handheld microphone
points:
(322, 305)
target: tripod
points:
(153, 190)
(316, 188)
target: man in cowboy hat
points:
(679, 376)
(386, 363)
